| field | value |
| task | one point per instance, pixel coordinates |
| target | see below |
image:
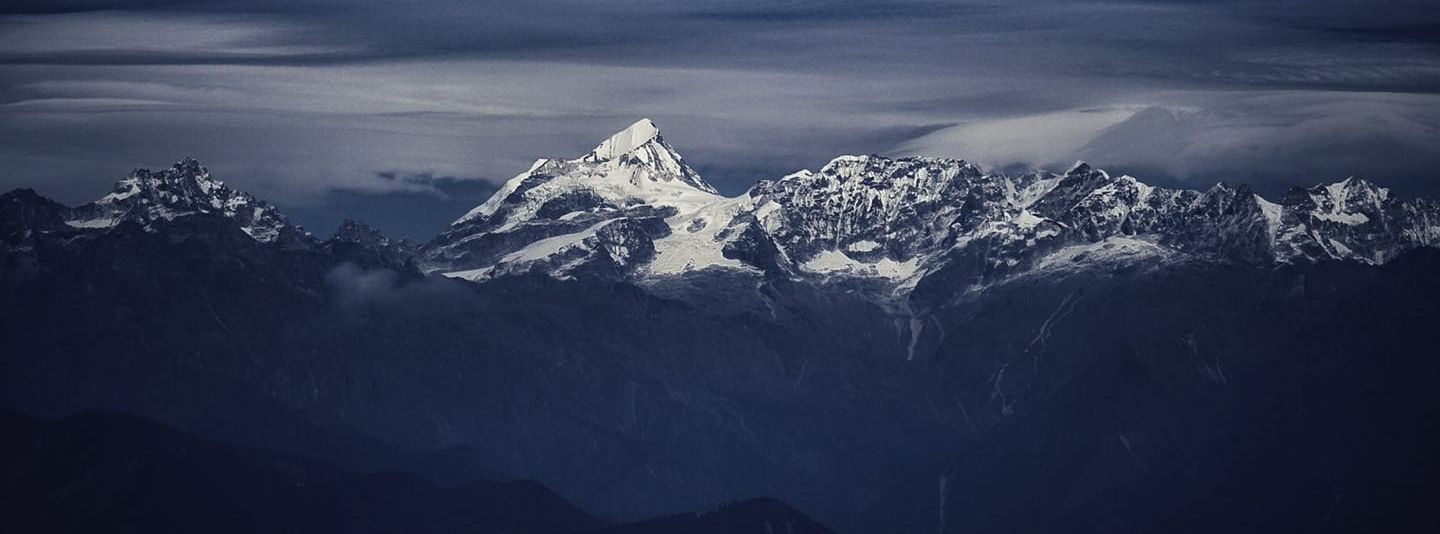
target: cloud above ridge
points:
(298, 101)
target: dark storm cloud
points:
(339, 108)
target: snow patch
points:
(94, 223)
(550, 246)
(1273, 213)
(1026, 220)
(864, 245)
(694, 247)
(834, 262)
(1352, 219)
(626, 141)
(1114, 251)
(473, 275)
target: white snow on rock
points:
(632, 167)
(548, 247)
(1273, 213)
(897, 220)
(184, 190)
(1027, 220)
(625, 141)
(94, 223)
(1112, 252)
(695, 241)
(833, 262)
(863, 245)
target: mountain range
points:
(889, 344)
(633, 208)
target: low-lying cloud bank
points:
(357, 291)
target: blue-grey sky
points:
(407, 112)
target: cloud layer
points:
(317, 103)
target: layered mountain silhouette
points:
(112, 472)
(888, 344)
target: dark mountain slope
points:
(109, 472)
(1198, 399)
(757, 516)
(634, 404)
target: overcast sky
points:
(407, 112)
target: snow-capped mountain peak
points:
(187, 180)
(625, 141)
(1356, 192)
(185, 189)
(633, 209)
(641, 149)
(633, 166)
(633, 180)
